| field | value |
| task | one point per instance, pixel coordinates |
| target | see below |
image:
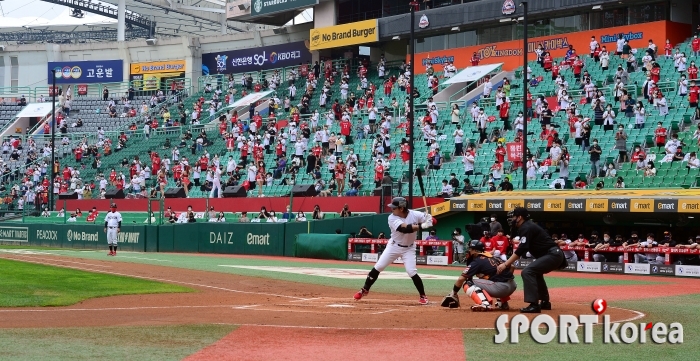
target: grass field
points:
(31, 285)
(151, 343)
(25, 284)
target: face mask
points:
(595, 143)
(606, 239)
(650, 240)
(493, 219)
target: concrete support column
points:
(121, 20)
(325, 14)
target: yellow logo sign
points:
(476, 205)
(641, 205)
(689, 206)
(440, 208)
(510, 204)
(596, 205)
(155, 67)
(360, 32)
(554, 205)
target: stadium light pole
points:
(53, 141)
(524, 150)
(411, 67)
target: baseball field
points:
(59, 304)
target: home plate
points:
(338, 272)
(340, 306)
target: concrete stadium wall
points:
(33, 58)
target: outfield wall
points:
(270, 239)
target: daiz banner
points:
(256, 59)
(266, 7)
(85, 72)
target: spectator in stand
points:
(446, 191)
(595, 152)
(621, 143)
(650, 170)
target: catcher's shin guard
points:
(479, 296)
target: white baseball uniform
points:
(112, 221)
(402, 244)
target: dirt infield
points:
(235, 299)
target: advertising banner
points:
(360, 32)
(256, 59)
(86, 72)
(152, 75)
(514, 151)
(510, 53)
(266, 7)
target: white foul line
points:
(163, 280)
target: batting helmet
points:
(398, 202)
(113, 205)
(476, 245)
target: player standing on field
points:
(404, 223)
(548, 257)
(113, 225)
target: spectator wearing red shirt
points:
(580, 183)
(119, 183)
(504, 113)
(692, 71)
(555, 71)
(244, 153)
(660, 133)
(66, 173)
(346, 129)
(655, 73)
(577, 64)
(667, 49)
(499, 245)
(500, 153)
(387, 87)
(475, 59)
(79, 154)
(638, 156)
(257, 87)
(547, 62)
(693, 93)
(695, 44)
(486, 240)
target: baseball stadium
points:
(347, 179)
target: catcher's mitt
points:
(450, 301)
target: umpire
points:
(549, 257)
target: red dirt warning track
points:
(315, 322)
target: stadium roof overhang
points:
(175, 17)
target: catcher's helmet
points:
(476, 245)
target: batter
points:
(113, 225)
(404, 223)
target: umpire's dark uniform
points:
(548, 257)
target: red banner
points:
(52, 91)
(82, 89)
(514, 151)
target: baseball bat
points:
(422, 189)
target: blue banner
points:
(251, 60)
(87, 72)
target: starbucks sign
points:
(266, 7)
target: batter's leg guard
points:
(479, 296)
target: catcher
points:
(489, 284)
